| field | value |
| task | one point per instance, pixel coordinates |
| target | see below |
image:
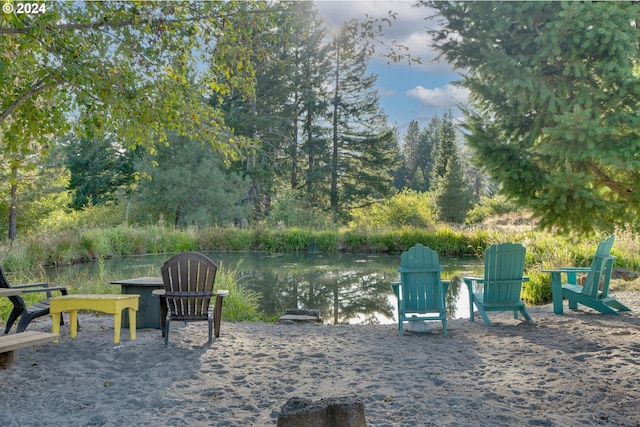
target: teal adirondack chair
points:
(594, 291)
(502, 282)
(421, 292)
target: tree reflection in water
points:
(345, 288)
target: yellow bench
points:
(112, 304)
(9, 344)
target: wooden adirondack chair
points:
(594, 291)
(420, 292)
(21, 309)
(502, 282)
(188, 279)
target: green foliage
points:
(100, 169)
(186, 183)
(122, 69)
(290, 210)
(451, 192)
(363, 146)
(241, 305)
(487, 207)
(224, 239)
(538, 289)
(406, 209)
(25, 257)
(555, 89)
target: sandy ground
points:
(581, 368)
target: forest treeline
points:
(255, 113)
(314, 150)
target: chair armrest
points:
(470, 280)
(62, 289)
(42, 287)
(31, 285)
(221, 292)
(158, 292)
(568, 270)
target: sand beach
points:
(581, 368)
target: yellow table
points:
(112, 304)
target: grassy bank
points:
(25, 259)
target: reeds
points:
(25, 257)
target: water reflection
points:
(345, 288)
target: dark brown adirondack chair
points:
(188, 280)
(20, 309)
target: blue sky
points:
(414, 92)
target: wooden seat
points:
(421, 293)
(501, 284)
(20, 308)
(188, 280)
(9, 344)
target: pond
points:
(345, 288)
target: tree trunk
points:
(334, 159)
(13, 210)
(294, 150)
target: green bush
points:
(487, 207)
(538, 289)
(290, 210)
(408, 208)
(241, 304)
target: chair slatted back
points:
(188, 282)
(503, 272)
(420, 271)
(601, 268)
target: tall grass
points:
(544, 250)
(240, 305)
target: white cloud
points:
(408, 29)
(448, 96)
(382, 91)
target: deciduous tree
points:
(121, 68)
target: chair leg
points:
(484, 316)
(24, 321)
(210, 330)
(525, 314)
(617, 305)
(166, 331)
(12, 318)
(217, 316)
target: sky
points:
(407, 92)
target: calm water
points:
(345, 288)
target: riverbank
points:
(582, 368)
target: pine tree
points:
(364, 147)
(555, 89)
(451, 192)
(187, 183)
(100, 169)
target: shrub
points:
(290, 210)
(538, 289)
(408, 208)
(489, 206)
(241, 304)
